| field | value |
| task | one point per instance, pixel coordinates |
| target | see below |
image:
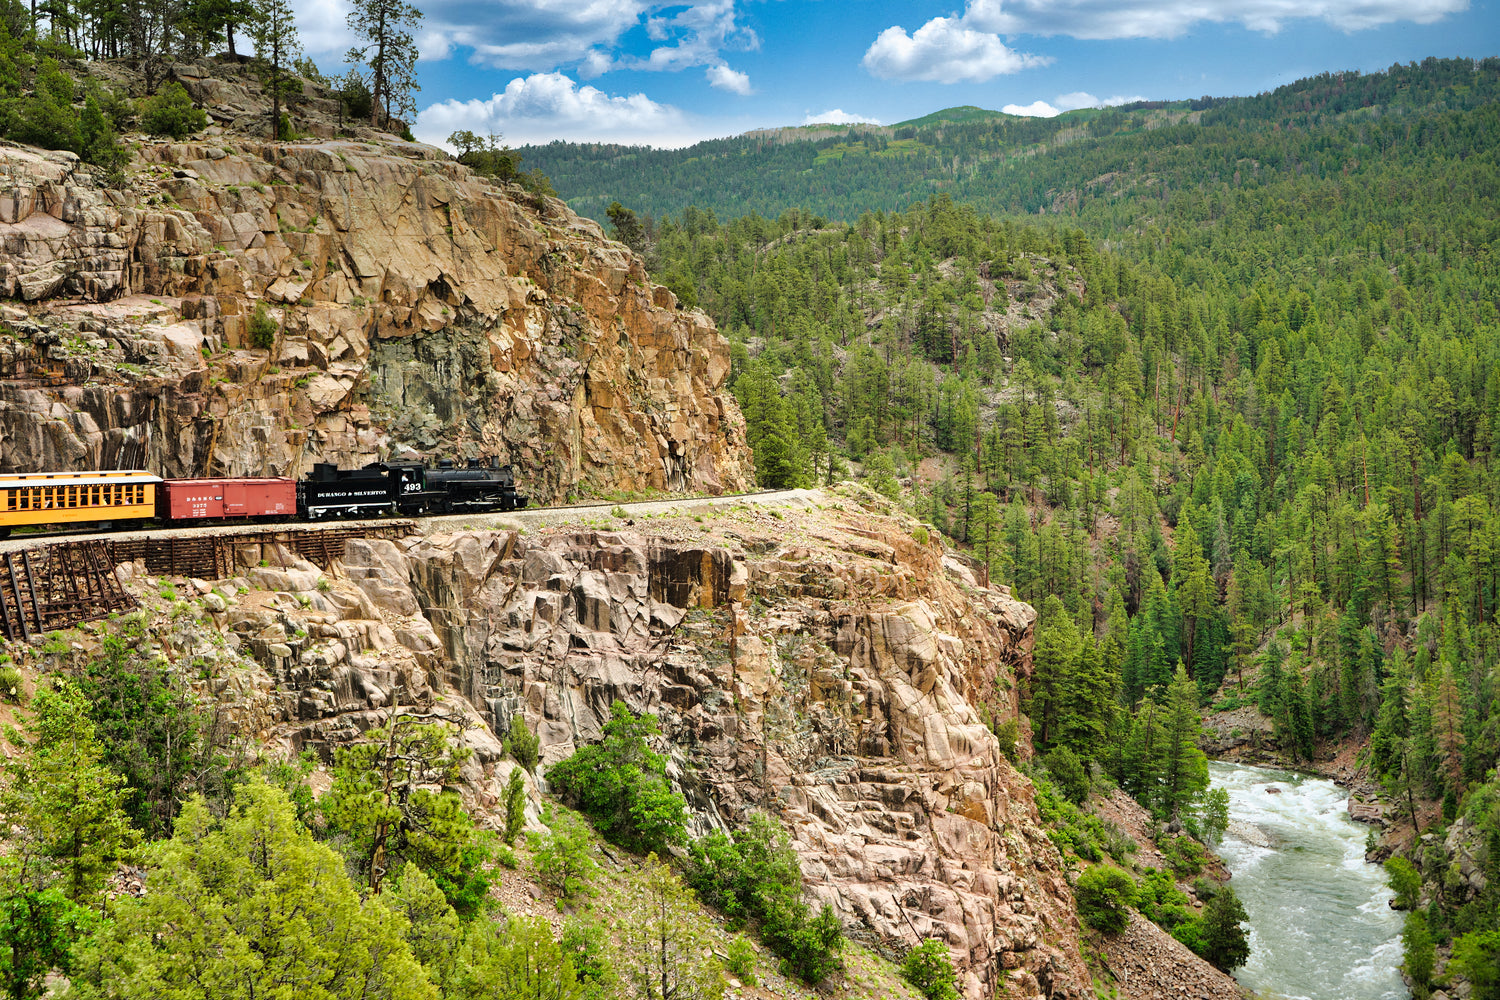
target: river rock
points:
(1363, 810)
(1249, 833)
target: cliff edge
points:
(243, 307)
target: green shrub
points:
(1215, 818)
(12, 687)
(1069, 774)
(620, 783)
(1105, 895)
(809, 949)
(929, 969)
(515, 805)
(1159, 899)
(1189, 930)
(522, 744)
(1184, 854)
(565, 857)
(587, 944)
(262, 328)
(97, 140)
(739, 959)
(47, 118)
(170, 113)
(756, 878)
(1406, 882)
(1223, 941)
(1074, 831)
(464, 876)
(506, 856)
(54, 84)
(1476, 956)
(1008, 733)
(355, 93)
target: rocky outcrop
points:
(817, 664)
(409, 307)
(823, 670)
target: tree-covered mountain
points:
(1074, 163)
(1227, 411)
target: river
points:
(1320, 928)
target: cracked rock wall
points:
(418, 309)
(825, 669)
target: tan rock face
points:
(823, 667)
(415, 307)
(820, 664)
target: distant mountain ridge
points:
(1000, 163)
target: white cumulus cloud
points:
(1100, 19)
(838, 116)
(545, 35)
(1036, 109)
(321, 27)
(728, 79)
(546, 106)
(1066, 102)
(944, 50)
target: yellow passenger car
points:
(69, 497)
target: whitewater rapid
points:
(1320, 924)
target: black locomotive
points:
(408, 488)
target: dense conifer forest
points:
(1226, 411)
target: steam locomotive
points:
(135, 497)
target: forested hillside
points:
(1096, 163)
(1235, 417)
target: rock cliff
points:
(407, 305)
(820, 661)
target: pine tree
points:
(515, 805)
(63, 807)
(1196, 590)
(243, 906)
(663, 955)
(390, 52)
(273, 29)
(1052, 658)
(1090, 697)
(1447, 720)
(381, 799)
(1224, 941)
(1182, 766)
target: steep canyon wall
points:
(823, 665)
(414, 308)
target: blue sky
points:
(670, 74)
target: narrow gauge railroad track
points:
(55, 580)
(17, 543)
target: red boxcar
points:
(195, 499)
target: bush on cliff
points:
(755, 878)
(48, 119)
(620, 783)
(929, 969)
(522, 744)
(262, 328)
(1406, 882)
(1105, 895)
(171, 113)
